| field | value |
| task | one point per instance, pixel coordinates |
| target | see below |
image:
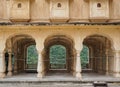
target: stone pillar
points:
(78, 64)
(15, 63)
(90, 57)
(116, 63)
(107, 56)
(2, 65)
(95, 60)
(74, 62)
(106, 53)
(10, 64)
(15, 66)
(95, 64)
(40, 66)
(100, 56)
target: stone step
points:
(44, 85)
(51, 84)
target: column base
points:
(15, 72)
(39, 75)
(74, 74)
(9, 74)
(100, 71)
(117, 74)
(78, 75)
(106, 73)
(2, 75)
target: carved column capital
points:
(78, 53)
(116, 51)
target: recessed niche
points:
(59, 5)
(19, 5)
(59, 10)
(19, 11)
(99, 9)
(98, 5)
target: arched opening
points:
(57, 57)
(100, 54)
(64, 60)
(32, 58)
(19, 49)
(85, 57)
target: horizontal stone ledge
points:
(57, 81)
(72, 23)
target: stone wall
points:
(69, 10)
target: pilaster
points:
(116, 63)
(15, 67)
(100, 67)
(107, 56)
(2, 65)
